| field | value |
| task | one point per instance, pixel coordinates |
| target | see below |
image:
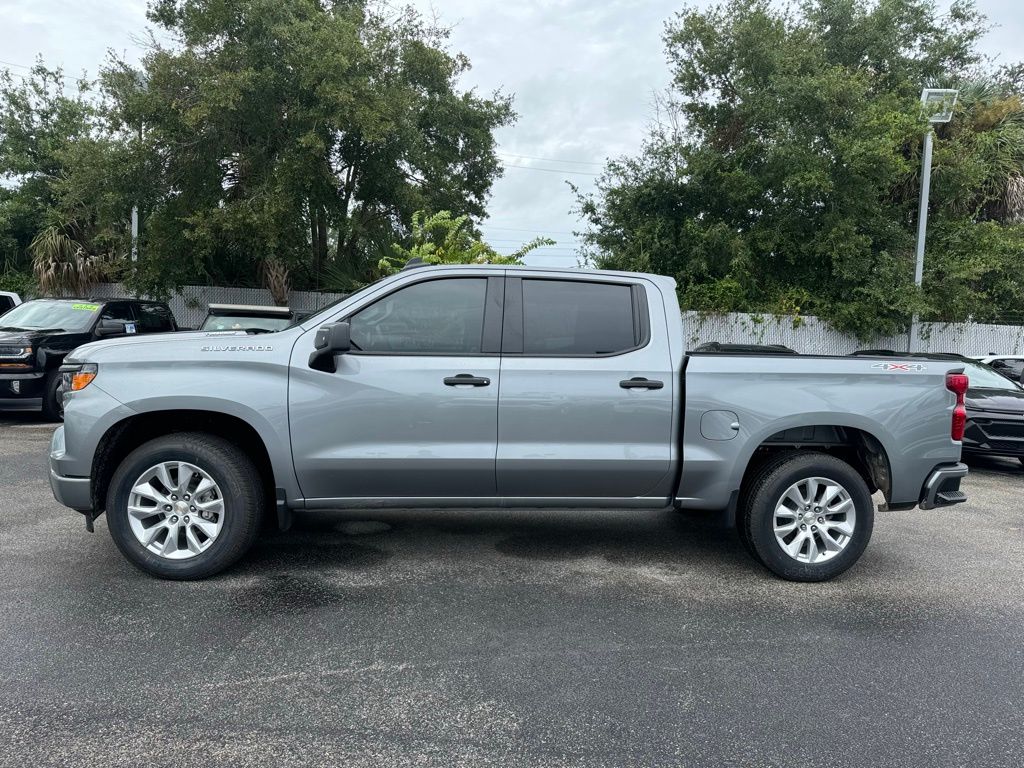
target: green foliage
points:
(444, 239)
(783, 172)
(44, 132)
(302, 132)
(22, 283)
(276, 142)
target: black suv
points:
(36, 336)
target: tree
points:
(444, 239)
(785, 176)
(45, 131)
(300, 131)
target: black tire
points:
(757, 515)
(243, 492)
(769, 466)
(53, 408)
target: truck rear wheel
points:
(185, 506)
(808, 517)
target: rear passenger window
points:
(155, 318)
(562, 317)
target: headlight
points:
(77, 377)
(18, 352)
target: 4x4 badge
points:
(900, 366)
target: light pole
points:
(143, 83)
(937, 104)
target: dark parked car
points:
(995, 405)
(995, 413)
(36, 336)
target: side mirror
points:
(331, 340)
(111, 328)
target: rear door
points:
(121, 311)
(587, 391)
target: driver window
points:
(434, 317)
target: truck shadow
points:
(994, 465)
(368, 539)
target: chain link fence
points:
(811, 336)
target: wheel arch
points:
(857, 446)
(129, 433)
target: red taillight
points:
(957, 384)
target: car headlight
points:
(77, 376)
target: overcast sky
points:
(583, 73)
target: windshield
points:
(244, 323)
(983, 377)
(51, 314)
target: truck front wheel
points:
(808, 517)
(185, 506)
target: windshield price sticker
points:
(86, 307)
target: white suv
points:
(8, 300)
(1011, 366)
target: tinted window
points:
(439, 316)
(155, 318)
(577, 318)
(118, 310)
(6, 302)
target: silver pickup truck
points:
(487, 386)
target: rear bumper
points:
(942, 488)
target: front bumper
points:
(942, 488)
(74, 492)
(22, 391)
(994, 433)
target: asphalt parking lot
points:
(523, 639)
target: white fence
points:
(812, 336)
(804, 334)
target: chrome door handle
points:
(466, 379)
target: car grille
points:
(996, 435)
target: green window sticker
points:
(86, 307)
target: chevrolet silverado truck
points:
(493, 386)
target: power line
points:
(12, 64)
(552, 159)
(550, 170)
(538, 231)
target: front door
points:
(412, 410)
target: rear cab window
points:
(580, 318)
(154, 318)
